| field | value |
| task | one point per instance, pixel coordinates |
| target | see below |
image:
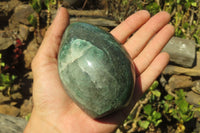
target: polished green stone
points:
(95, 70)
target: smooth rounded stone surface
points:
(95, 70)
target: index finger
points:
(130, 25)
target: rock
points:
(171, 69)
(193, 98)
(9, 110)
(6, 8)
(196, 87)
(26, 107)
(29, 75)
(30, 53)
(180, 82)
(10, 124)
(13, 103)
(176, 47)
(162, 80)
(5, 41)
(68, 3)
(29, 80)
(3, 98)
(16, 96)
(23, 32)
(20, 15)
(197, 125)
(15, 88)
(95, 70)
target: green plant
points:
(185, 14)
(178, 108)
(27, 117)
(154, 108)
(152, 117)
(155, 92)
(185, 17)
(32, 19)
(48, 4)
(145, 113)
(6, 80)
(37, 6)
(2, 64)
(183, 112)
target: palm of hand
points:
(51, 103)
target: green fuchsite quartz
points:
(95, 70)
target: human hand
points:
(54, 111)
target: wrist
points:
(39, 124)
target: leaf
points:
(182, 104)
(148, 109)
(168, 97)
(130, 117)
(197, 38)
(144, 124)
(3, 64)
(157, 122)
(166, 107)
(187, 5)
(156, 93)
(5, 78)
(172, 111)
(176, 117)
(13, 77)
(156, 115)
(36, 5)
(47, 2)
(187, 117)
(152, 99)
(194, 4)
(180, 93)
(186, 25)
(32, 20)
(153, 8)
(27, 117)
(2, 88)
(124, 2)
(154, 85)
(53, 2)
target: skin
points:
(55, 112)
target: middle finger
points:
(139, 40)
